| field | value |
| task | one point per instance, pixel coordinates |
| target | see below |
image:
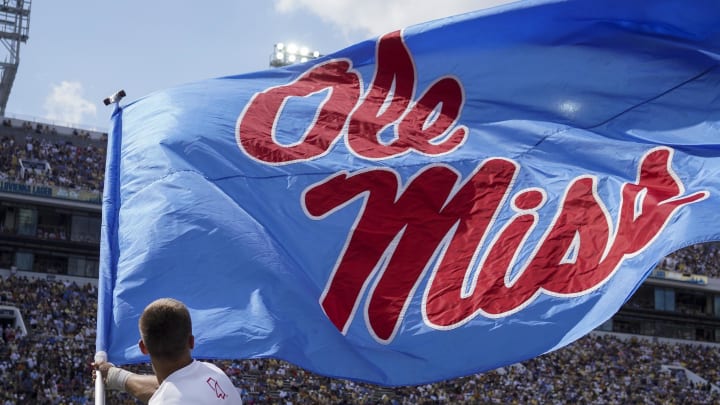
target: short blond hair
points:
(165, 328)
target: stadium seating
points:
(51, 365)
(39, 155)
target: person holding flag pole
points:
(166, 336)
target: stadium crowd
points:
(51, 365)
(38, 155)
(702, 259)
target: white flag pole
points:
(106, 255)
(99, 383)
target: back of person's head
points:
(165, 328)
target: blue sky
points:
(81, 51)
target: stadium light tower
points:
(287, 54)
(14, 27)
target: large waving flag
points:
(446, 199)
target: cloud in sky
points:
(377, 17)
(65, 103)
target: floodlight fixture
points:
(288, 53)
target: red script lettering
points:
(425, 125)
(399, 232)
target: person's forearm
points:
(141, 387)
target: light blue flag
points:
(442, 200)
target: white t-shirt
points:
(198, 383)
